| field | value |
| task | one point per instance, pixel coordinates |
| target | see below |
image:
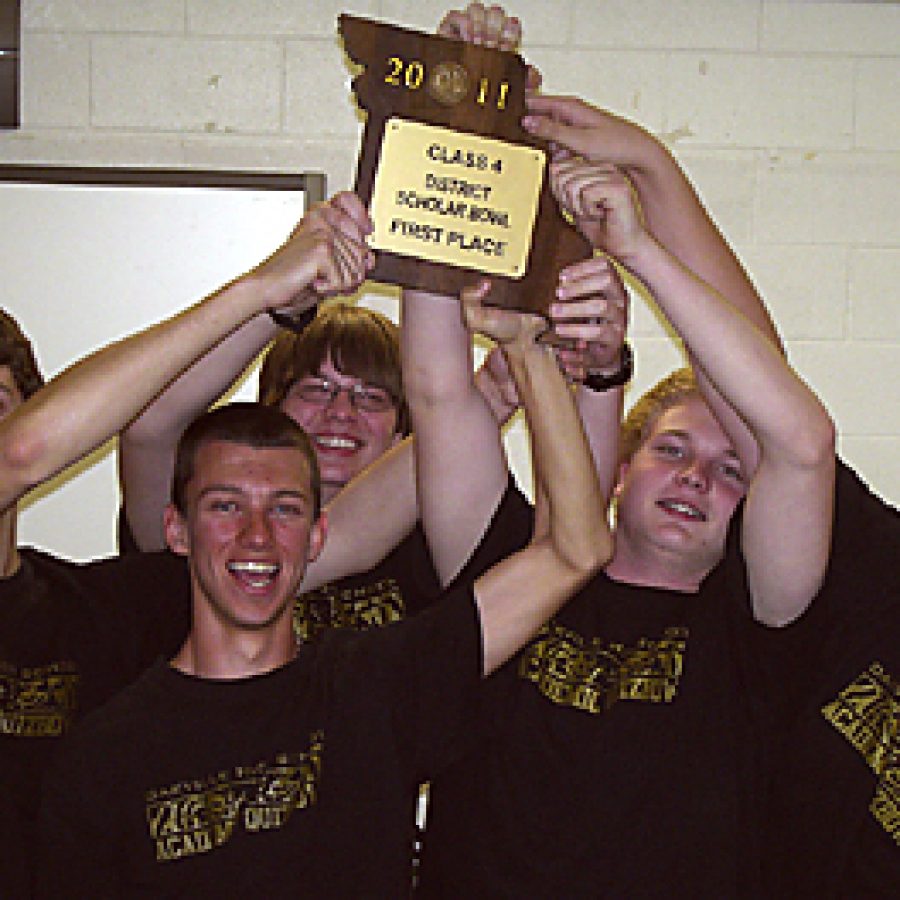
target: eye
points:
(222, 505)
(733, 471)
(314, 391)
(372, 399)
(288, 509)
(674, 451)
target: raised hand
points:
(575, 127)
(326, 254)
(590, 317)
(485, 26)
(602, 203)
(505, 326)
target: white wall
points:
(783, 113)
(85, 265)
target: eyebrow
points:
(233, 489)
(684, 435)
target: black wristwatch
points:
(293, 323)
(600, 381)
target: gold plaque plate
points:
(455, 198)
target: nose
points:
(257, 531)
(694, 474)
(340, 405)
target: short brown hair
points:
(249, 424)
(17, 353)
(676, 387)
(361, 343)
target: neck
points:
(658, 567)
(216, 651)
(9, 554)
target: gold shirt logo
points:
(593, 675)
(867, 714)
(359, 608)
(40, 701)
(189, 818)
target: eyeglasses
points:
(363, 397)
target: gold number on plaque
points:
(393, 77)
(413, 74)
(484, 89)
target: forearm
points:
(147, 445)
(571, 539)
(601, 417)
(436, 351)
(784, 416)
(460, 464)
(678, 219)
(368, 517)
(203, 383)
(564, 470)
(97, 397)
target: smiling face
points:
(346, 438)
(677, 494)
(249, 530)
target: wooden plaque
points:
(456, 188)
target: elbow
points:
(426, 388)
(149, 427)
(814, 445)
(588, 554)
(22, 457)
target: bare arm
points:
(461, 468)
(368, 518)
(96, 397)
(788, 513)
(591, 313)
(147, 445)
(674, 215)
(571, 539)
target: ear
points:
(317, 536)
(398, 438)
(176, 531)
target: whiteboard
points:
(90, 255)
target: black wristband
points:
(292, 323)
(597, 381)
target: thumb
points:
(571, 137)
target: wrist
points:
(501, 408)
(294, 321)
(604, 379)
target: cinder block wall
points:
(785, 114)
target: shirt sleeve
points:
(509, 530)
(424, 672)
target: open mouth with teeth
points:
(682, 509)
(337, 442)
(255, 575)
